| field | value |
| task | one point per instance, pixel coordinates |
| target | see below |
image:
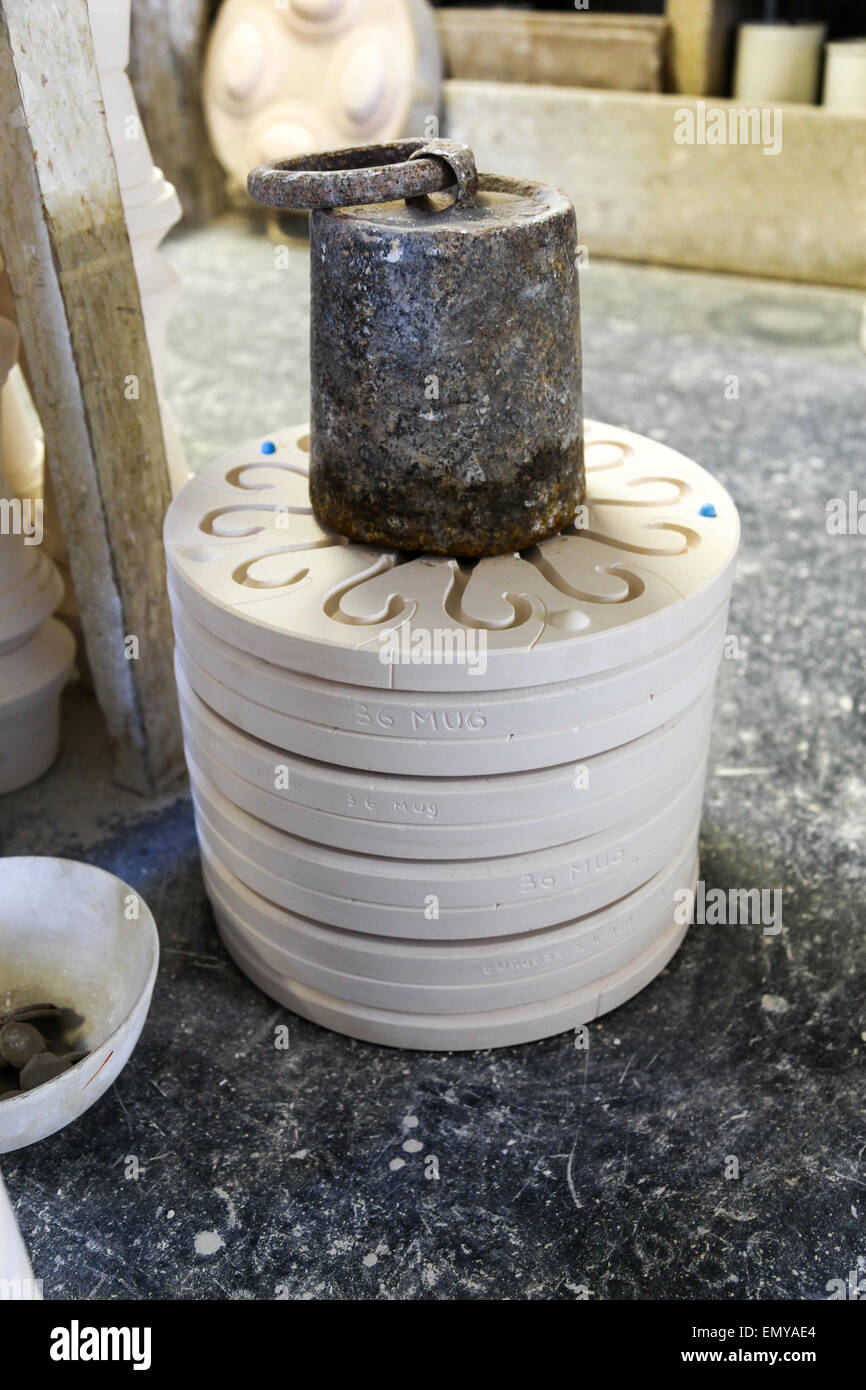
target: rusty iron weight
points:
(444, 345)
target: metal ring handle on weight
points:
(367, 174)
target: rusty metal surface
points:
(366, 174)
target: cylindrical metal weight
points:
(445, 354)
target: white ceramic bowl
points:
(69, 934)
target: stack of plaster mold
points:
(450, 804)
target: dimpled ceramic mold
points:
(282, 77)
(652, 562)
(408, 818)
(448, 977)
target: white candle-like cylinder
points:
(778, 62)
(845, 75)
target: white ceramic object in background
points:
(36, 656)
(109, 27)
(149, 201)
(16, 1273)
(30, 589)
(22, 574)
(8, 347)
(303, 75)
(22, 443)
(778, 62)
(249, 562)
(22, 460)
(32, 677)
(68, 934)
(29, 597)
(845, 75)
(35, 665)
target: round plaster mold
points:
(466, 1032)
(645, 771)
(446, 977)
(438, 717)
(453, 802)
(651, 560)
(478, 897)
(443, 757)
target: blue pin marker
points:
(269, 447)
(708, 510)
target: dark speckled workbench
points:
(561, 1173)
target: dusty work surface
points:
(334, 1169)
